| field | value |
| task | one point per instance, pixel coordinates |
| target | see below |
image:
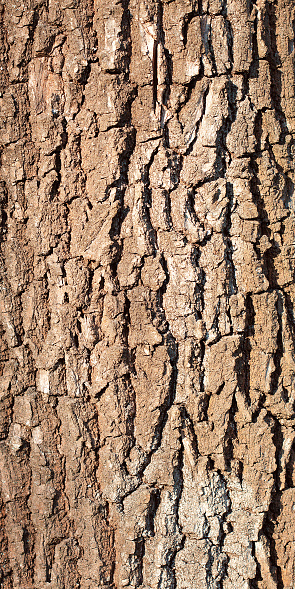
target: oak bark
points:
(147, 294)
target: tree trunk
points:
(147, 294)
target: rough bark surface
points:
(147, 294)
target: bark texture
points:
(147, 294)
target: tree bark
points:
(147, 294)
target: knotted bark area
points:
(147, 294)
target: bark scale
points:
(147, 294)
